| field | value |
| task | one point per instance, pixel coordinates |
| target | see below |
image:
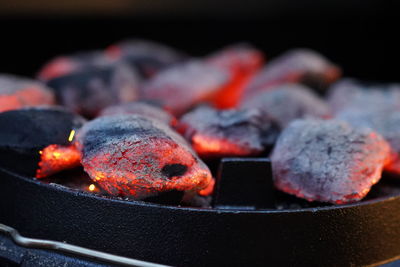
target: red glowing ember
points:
(55, 158)
(242, 61)
(218, 133)
(130, 155)
(17, 92)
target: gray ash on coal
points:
(26, 131)
(353, 94)
(386, 123)
(89, 91)
(288, 102)
(217, 133)
(328, 161)
(18, 92)
(183, 86)
(147, 57)
(128, 156)
(299, 66)
(140, 108)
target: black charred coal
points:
(328, 161)
(90, 90)
(26, 131)
(237, 189)
(288, 102)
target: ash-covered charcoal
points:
(328, 161)
(218, 133)
(134, 156)
(64, 65)
(89, 91)
(28, 131)
(386, 123)
(298, 66)
(185, 85)
(141, 108)
(349, 93)
(146, 56)
(242, 61)
(288, 102)
(18, 92)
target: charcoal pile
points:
(142, 121)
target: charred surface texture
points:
(18, 92)
(288, 102)
(145, 56)
(217, 133)
(328, 161)
(27, 131)
(89, 91)
(299, 65)
(140, 108)
(128, 155)
(185, 85)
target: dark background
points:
(361, 36)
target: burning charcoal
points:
(146, 56)
(17, 92)
(134, 156)
(349, 93)
(89, 91)
(64, 65)
(242, 61)
(299, 65)
(219, 133)
(26, 132)
(288, 102)
(141, 108)
(382, 121)
(328, 161)
(183, 86)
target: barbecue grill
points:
(245, 225)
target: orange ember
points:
(213, 146)
(242, 65)
(55, 158)
(30, 96)
(208, 190)
(56, 68)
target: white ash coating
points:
(184, 85)
(328, 161)
(349, 93)
(139, 108)
(288, 102)
(297, 61)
